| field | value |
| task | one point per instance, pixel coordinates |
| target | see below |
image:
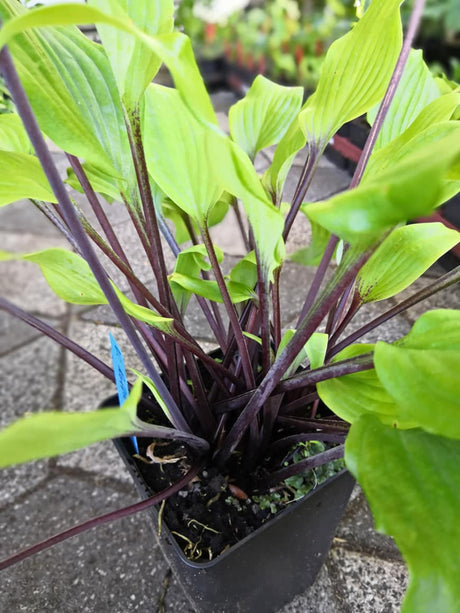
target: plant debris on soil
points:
(215, 512)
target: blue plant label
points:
(121, 379)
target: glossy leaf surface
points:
(412, 482)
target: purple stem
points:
(58, 337)
(293, 439)
(271, 381)
(240, 340)
(102, 519)
(25, 111)
(451, 278)
(302, 187)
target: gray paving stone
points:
(85, 389)
(367, 583)
(114, 568)
(390, 331)
(448, 298)
(15, 333)
(328, 180)
(356, 531)
(23, 215)
(319, 598)
(28, 381)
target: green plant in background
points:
(160, 151)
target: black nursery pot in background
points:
(269, 567)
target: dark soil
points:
(207, 517)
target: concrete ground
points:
(118, 568)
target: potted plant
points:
(267, 406)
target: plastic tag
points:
(121, 379)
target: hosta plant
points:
(391, 409)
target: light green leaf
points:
(106, 185)
(263, 116)
(358, 394)
(151, 386)
(316, 348)
(190, 262)
(70, 277)
(275, 176)
(235, 172)
(210, 289)
(22, 177)
(48, 434)
(402, 257)
(165, 324)
(245, 271)
(173, 49)
(175, 147)
(423, 127)
(311, 255)
(420, 372)
(415, 91)
(409, 189)
(13, 136)
(412, 482)
(70, 85)
(355, 72)
(133, 65)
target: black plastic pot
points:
(268, 568)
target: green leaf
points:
(235, 172)
(133, 65)
(245, 271)
(355, 72)
(412, 482)
(22, 177)
(311, 255)
(316, 348)
(190, 262)
(173, 49)
(410, 188)
(70, 277)
(415, 91)
(48, 434)
(210, 289)
(420, 372)
(175, 147)
(352, 396)
(263, 116)
(275, 176)
(13, 136)
(70, 85)
(402, 257)
(438, 111)
(106, 185)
